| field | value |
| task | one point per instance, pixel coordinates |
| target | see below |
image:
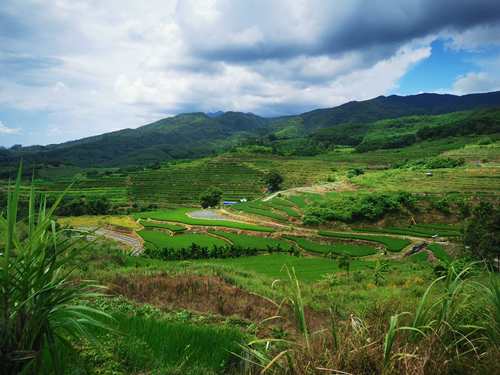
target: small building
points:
(429, 174)
(229, 203)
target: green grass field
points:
(260, 243)
(171, 346)
(308, 269)
(162, 240)
(179, 215)
(338, 248)
(391, 243)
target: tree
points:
(211, 197)
(273, 181)
(482, 233)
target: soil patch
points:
(203, 294)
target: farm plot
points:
(338, 248)
(162, 240)
(259, 243)
(257, 208)
(171, 227)
(178, 215)
(391, 243)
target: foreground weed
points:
(40, 305)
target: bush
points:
(355, 172)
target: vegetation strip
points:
(391, 243)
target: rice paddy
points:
(337, 248)
(179, 215)
(162, 240)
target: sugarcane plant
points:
(42, 308)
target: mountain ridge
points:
(197, 134)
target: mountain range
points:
(192, 135)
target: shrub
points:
(355, 172)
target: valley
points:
(314, 254)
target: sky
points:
(76, 68)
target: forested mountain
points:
(197, 134)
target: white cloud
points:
(4, 129)
(476, 82)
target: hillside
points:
(196, 135)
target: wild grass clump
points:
(454, 328)
(40, 305)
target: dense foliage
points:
(360, 207)
(432, 163)
(482, 233)
(273, 180)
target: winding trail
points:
(132, 242)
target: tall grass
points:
(453, 329)
(40, 303)
(459, 320)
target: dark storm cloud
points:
(343, 27)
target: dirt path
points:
(130, 241)
(318, 189)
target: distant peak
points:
(214, 114)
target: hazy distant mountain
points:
(199, 134)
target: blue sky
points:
(76, 68)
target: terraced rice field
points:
(162, 240)
(391, 243)
(171, 227)
(111, 187)
(338, 248)
(179, 215)
(254, 208)
(184, 182)
(422, 230)
(246, 241)
(470, 180)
